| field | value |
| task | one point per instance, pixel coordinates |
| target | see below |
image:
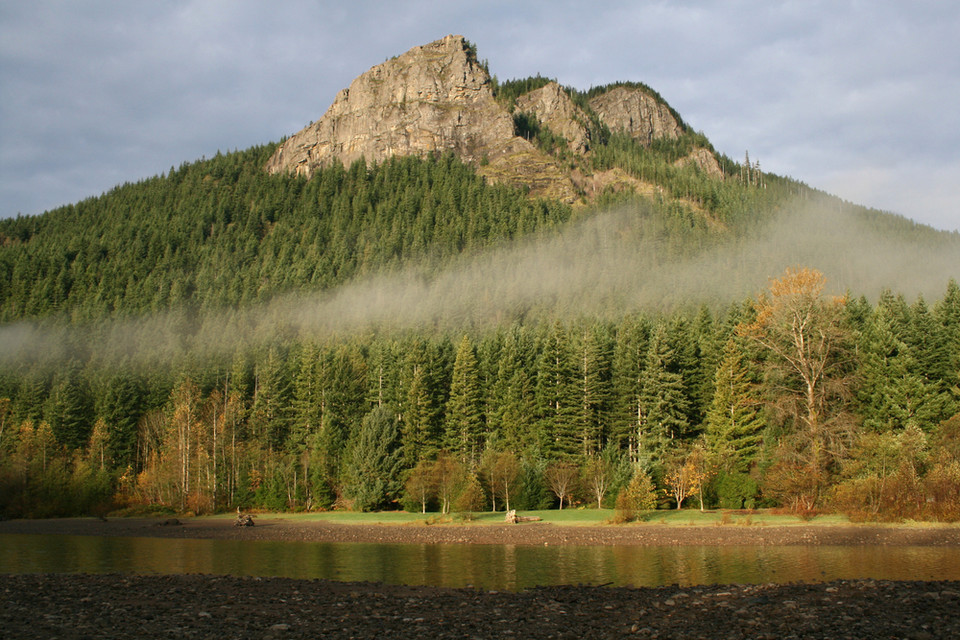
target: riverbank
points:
(216, 607)
(278, 527)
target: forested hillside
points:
(708, 401)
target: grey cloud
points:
(98, 93)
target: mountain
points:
(421, 160)
(513, 273)
(438, 97)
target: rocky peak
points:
(435, 97)
(431, 98)
(553, 107)
(638, 113)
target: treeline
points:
(724, 408)
(223, 233)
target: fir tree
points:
(735, 422)
(662, 398)
(464, 429)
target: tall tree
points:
(464, 424)
(809, 358)
(663, 400)
(734, 425)
(595, 392)
(558, 393)
(70, 410)
(511, 397)
(373, 467)
(629, 359)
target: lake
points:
(501, 567)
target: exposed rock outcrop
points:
(704, 160)
(437, 98)
(553, 107)
(432, 98)
(636, 112)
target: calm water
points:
(504, 567)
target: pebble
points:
(71, 606)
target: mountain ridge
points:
(437, 97)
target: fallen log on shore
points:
(513, 518)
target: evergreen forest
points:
(795, 396)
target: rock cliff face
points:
(432, 98)
(437, 98)
(705, 161)
(554, 108)
(636, 112)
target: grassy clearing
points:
(566, 517)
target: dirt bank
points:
(279, 528)
(190, 606)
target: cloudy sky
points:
(857, 98)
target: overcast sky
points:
(861, 99)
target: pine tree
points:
(373, 467)
(595, 388)
(629, 359)
(947, 313)
(662, 399)
(929, 345)
(70, 409)
(464, 426)
(558, 394)
(419, 411)
(511, 401)
(735, 422)
(893, 394)
(122, 406)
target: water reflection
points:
(504, 567)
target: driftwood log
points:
(243, 519)
(513, 518)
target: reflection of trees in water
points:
(501, 567)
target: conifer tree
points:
(373, 467)
(662, 399)
(892, 393)
(629, 359)
(930, 347)
(734, 424)
(558, 394)
(512, 414)
(419, 412)
(464, 427)
(70, 410)
(121, 408)
(595, 391)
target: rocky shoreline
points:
(194, 606)
(202, 606)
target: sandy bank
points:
(280, 528)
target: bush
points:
(638, 496)
(735, 490)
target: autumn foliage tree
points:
(806, 348)
(685, 474)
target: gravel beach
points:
(195, 606)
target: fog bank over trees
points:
(603, 265)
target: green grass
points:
(566, 517)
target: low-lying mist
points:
(604, 265)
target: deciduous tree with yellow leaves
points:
(809, 363)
